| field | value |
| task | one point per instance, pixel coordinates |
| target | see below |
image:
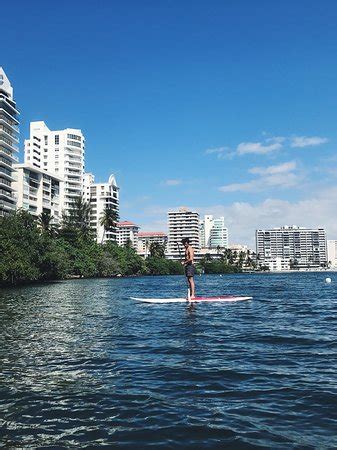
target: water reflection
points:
(82, 364)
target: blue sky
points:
(224, 106)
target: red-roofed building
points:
(127, 232)
(145, 239)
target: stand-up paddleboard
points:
(223, 298)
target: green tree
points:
(76, 222)
(108, 220)
(157, 250)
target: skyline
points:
(226, 109)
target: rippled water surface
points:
(83, 365)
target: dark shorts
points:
(190, 270)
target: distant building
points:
(146, 238)
(213, 232)
(127, 232)
(181, 224)
(101, 196)
(9, 139)
(60, 152)
(332, 253)
(291, 247)
(38, 191)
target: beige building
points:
(332, 253)
(146, 238)
(127, 232)
(38, 191)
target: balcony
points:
(9, 122)
(7, 132)
(9, 195)
(9, 154)
(5, 162)
(7, 143)
(6, 205)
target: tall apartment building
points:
(181, 224)
(205, 231)
(127, 232)
(38, 191)
(291, 247)
(213, 232)
(9, 139)
(60, 152)
(101, 196)
(332, 253)
(146, 238)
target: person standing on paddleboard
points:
(189, 266)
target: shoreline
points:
(79, 277)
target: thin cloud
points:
(267, 145)
(220, 152)
(279, 176)
(271, 170)
(171, 182)
(304, 141)
(258, 148)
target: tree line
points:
(34, 249)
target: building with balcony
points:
(9, 139)
(38, 191)
(291, 247)
(101, 196)
(182, 223)
(127, 233)
(60, 152)
(146, 238)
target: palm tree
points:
(44, 221)
(77, 219)
(108, 220)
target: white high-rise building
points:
(101, 196)
(332, 253)
(9, 139)
(183, 223)
(205, 231)
(213, 232)
(60, 152)
(127, 232)
(38, 191)
(291, 247)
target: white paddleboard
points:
(223, 298)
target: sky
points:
(227, 107)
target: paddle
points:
(188, 289)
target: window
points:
(46, 140)
(57, 139)
(74, 137)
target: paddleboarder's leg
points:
(192, 286)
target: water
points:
(83, 365)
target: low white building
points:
(332, 253)
(38, 191)
(127, 232)
(146, 238)
(101, 196)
